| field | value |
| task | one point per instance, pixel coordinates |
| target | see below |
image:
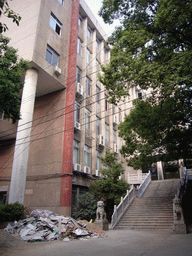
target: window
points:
(87, 119)
(51, 56)
(120, 115)
(98, 125)
(88, 86)
(77, 112)
(106, 132)
(97, 65)
(98, 91)
(113, 109)
(106, 103)
(76, 152)
(78, 75)
(114, 136)
(88, 32)
(105, 55)
(97, 43)
(87, 156)
(79, 46)
(98, 160)
(55, 24)
(88, 56)
(80, 22)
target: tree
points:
(5, 10)
(12, 72)
(87, 206)
(152, 49)
(110, 188)
(155, 133)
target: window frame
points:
(52, 55)
(77, 112)
(98, 161)
(87, 119)
(88, 86)
(78, 75)
(89, 32)
(79, 46)
(98, 125)
(88, 56)
(87, 156)
(98, 96)
(76, 148)
(106, 132)
(55, 24)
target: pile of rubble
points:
(44, 225)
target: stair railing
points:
(141, 189)
(126, 201)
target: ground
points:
(116, 242)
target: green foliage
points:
(5, 10)
(12, 72)
(152, 49)
(11, 212)
(110, 187)
(87, 206)
(156, 133)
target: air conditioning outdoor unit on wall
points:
(115, 149)
(101, 140)
(77, 167)
(79, 89)
(97, 173)
(57, 71)
(77, 126)
(115, 119)
(87, 169)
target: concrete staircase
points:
(154, 210)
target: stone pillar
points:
(182, 169)
(179, 226)
(160, 173)
(20, 160)
(101, 220)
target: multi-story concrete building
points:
(66, 122)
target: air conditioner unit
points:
(77, 126)
(101, 140)
(57, 71)
(97, 173)
(115, 149)
(77, 167)
(115, 119)
(87, 169)
(79, 89)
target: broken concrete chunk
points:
(45, 225)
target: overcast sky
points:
(95, 6)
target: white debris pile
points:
(45, 225)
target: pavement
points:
(116, 242)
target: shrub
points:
(87, 206)
(12, 212)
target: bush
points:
(11, 212)
(87, 206)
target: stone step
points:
(159, 227)
(154, 210)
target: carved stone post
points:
(179, 226)
(101, 220)
(160, 173)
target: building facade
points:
(52, 154)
